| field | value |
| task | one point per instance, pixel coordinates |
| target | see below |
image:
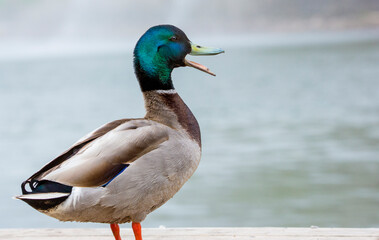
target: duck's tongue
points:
(199, 50)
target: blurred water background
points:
(290, 125)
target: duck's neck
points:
(168, 108)
(153, 76)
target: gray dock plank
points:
(264, 233)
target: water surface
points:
(290, 133)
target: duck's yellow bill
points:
(199, 50)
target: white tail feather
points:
(42, 196)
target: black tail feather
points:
(43, 188)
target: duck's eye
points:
(174, 38)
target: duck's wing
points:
(101, 155)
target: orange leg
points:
(116, 231)
(137, 230)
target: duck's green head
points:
(161, 49)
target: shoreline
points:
(44, 49)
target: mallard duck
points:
(127, 168)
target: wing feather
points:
(74, 149)
(95, 160)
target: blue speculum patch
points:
(123, 169)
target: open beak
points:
(199, 50)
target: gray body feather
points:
(163, 150)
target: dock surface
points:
(265, 233)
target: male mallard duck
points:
(127, 168)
